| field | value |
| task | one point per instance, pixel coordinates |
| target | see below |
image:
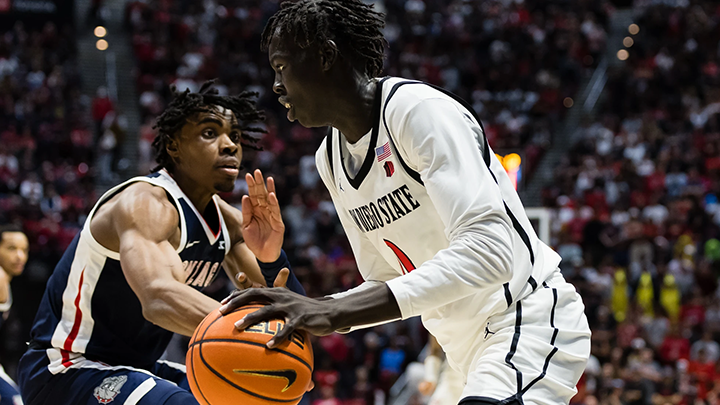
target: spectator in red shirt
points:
(675, 346)
(101, 105)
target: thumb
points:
(282, 278)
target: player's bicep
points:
(145, 223)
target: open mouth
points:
(289, 107)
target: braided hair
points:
(355, 26)
(186, 104)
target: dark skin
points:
(321, 88)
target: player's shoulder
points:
(403, 96)
(142, 201)
(322, 158)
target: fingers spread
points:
(229, 297)
(262, 314)
(244, 280)
(282, 335)
(245, 297)
(282, 278)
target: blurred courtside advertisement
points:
(539, 216)
(35, 13)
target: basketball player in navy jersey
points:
(435, 224)
(13, 256)
(132, 276)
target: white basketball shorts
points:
(534, 352)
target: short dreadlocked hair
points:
(355, 26)
(186, 104)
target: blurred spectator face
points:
(13, 252)
(207, 149)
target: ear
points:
(328, 54)
(172, 148)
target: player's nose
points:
(227, 146)
(278, 86)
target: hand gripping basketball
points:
(299, 312)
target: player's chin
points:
(224, 186)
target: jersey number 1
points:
(405, 262)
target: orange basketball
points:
(225, 366)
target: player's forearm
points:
(479, 258)
(177, 308)
(369, 306)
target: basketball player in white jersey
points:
(13, 256)
(133, 275)
(435, 224)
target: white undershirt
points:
(354, 153)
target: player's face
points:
(208, 149)
(13, 252)
(299, 80)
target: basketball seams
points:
(250, 342)
(222, 377)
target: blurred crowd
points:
(637, 215)
(46, 158)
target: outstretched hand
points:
(299, 312)
(262, 228)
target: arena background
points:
(606, 113)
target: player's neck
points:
(355, 112)
(199, 196)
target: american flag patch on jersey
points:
(383, 152)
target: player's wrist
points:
(270, 258)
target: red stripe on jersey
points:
(405, 261)
(76, 325)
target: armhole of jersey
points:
(223, 226)
(329, 150)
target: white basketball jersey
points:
(433, 214)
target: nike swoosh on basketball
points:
(289, 375)
(192, 244)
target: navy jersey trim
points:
(413, 174)
(370, 155)
(552, 342)
(329, 150)
(514, 345)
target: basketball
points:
(226, 366)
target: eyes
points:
(210, 133)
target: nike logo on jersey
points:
(193, 243)
(386, 210)
(288, 375)
(222, 245)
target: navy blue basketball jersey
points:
(89, 311)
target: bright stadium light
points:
(100, 31)
(628, 42)
(633, 29)
(623, 54)
(101, 44)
